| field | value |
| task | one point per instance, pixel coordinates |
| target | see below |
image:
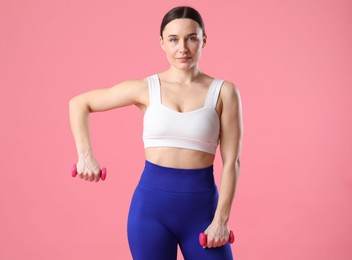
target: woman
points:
(186, 114)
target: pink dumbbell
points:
(203, 238)
(102, 172)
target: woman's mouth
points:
(184, 59)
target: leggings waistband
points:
(177, 180)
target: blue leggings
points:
(169, 207)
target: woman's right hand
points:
(88, 169)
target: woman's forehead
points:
(182, 26)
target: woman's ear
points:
(162, 43)
(204, 40)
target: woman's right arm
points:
(133, 92)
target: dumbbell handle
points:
(102, 172)
(203, 238)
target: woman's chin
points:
(184, 66)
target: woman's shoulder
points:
(137, 84)
(229, 86)
(229, 93)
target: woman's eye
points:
(192, 39)
(172, 39)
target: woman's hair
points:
(182, 12)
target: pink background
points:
(292, 62)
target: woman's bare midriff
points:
(179, 157)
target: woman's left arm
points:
(230, 148)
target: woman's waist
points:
(177, 179)
(179, 157)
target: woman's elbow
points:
(73, 103)
(77, 103)
(238, 166)
(236, 163)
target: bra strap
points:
(213, 93)
(154, 89)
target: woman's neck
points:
(183, 76)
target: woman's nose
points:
(183, 46)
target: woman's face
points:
(182, 42)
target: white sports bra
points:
(198, 129)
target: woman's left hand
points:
(217, 234)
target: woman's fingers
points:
(88, 169)
(93, 173)
(210, 241)
(217, 240)
(220, 241)
(89, 176)
(86, 172)
(96, 175)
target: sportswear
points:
(170, 207)
(198, 129)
